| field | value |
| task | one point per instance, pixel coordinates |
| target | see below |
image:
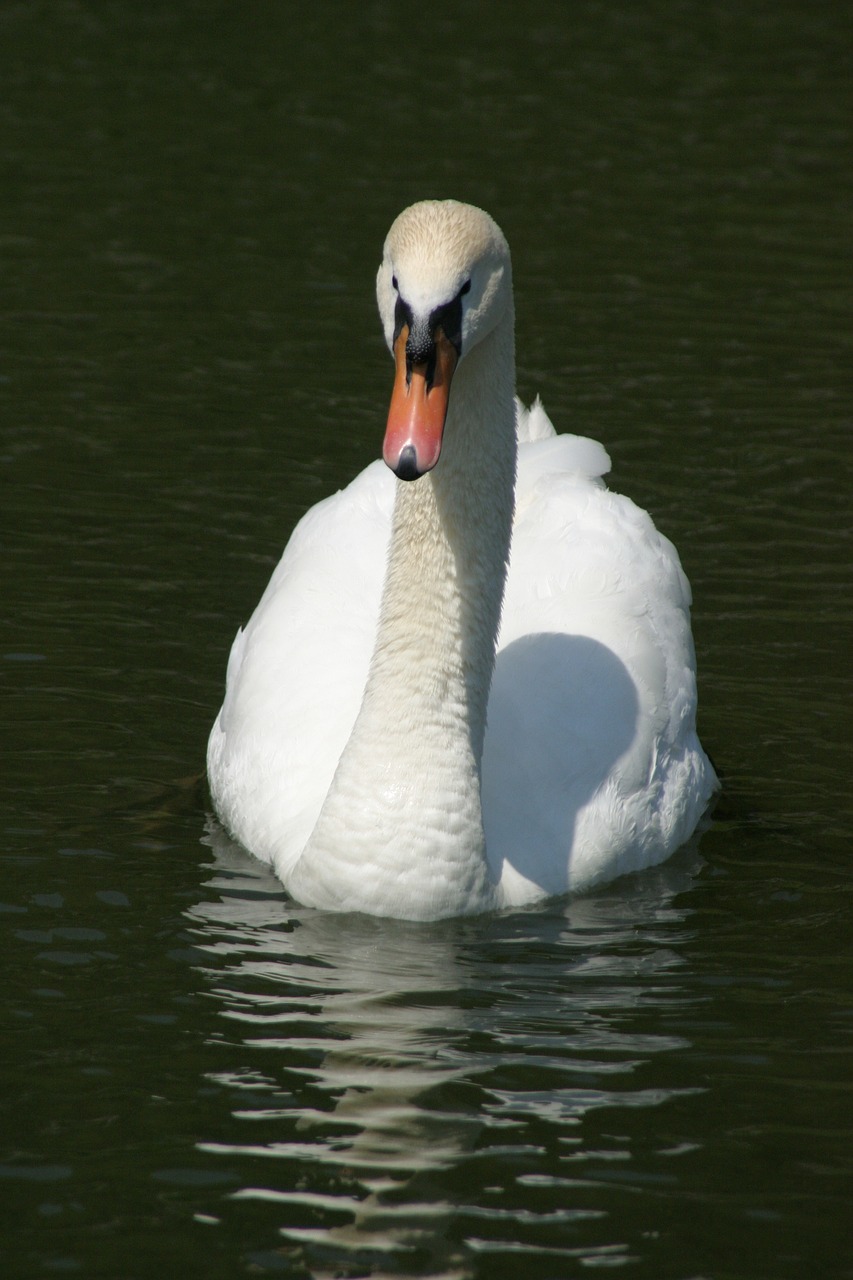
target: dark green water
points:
(198, 1078)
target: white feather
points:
(591, 766)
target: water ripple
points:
(366, 1058)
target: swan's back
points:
(592, 766)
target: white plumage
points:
(351, 750)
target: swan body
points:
(471, 686)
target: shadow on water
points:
(402, 1094)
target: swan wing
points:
(591, 765)
(297, 671)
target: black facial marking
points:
(420, 343)
(402, 316)
(450, 318)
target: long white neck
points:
(401, 830)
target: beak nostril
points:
(424, 365)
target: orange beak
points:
(418, 408)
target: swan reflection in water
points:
(409, 1092)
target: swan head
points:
(444, 284)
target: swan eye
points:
(394, 284)
(466, 288)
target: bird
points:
(470, 684)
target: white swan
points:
(365, 748)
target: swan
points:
(470, 682)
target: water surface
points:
(200, 1078)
